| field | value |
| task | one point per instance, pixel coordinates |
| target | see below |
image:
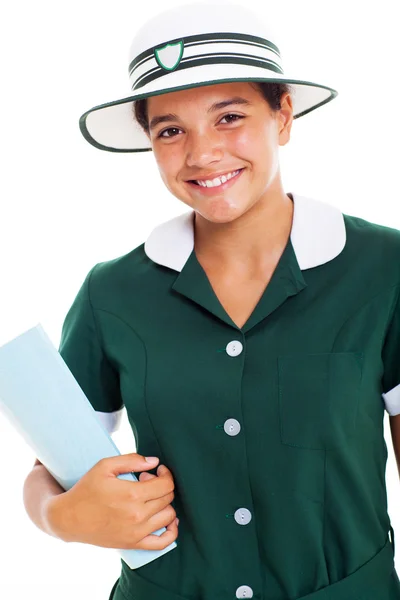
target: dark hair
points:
(272, 93)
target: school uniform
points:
(273, 431)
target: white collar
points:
(318, 235)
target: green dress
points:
(273, 432)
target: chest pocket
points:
(319, 396)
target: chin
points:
(220, 213)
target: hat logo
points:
(169, 56)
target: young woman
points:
(254, 341)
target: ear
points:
(285, 118)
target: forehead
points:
(207, 94)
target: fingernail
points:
(151, 459)
(177, 521)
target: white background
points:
(66, 205)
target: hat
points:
(190, 46)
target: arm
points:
(39, 487)
(81, 349)
(395, 430)
(82, 352)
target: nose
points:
(203, 148)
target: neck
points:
(251, 243)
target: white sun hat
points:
(190, 46)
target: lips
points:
(215, 190)
(211, 178)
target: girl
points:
(254, 340)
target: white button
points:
(242, 516)
(234, 348)
(232, 427)
(244, 591)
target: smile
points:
(215, 188)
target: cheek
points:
(167, 166)
(251, 143)
(241, 142)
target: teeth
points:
(218, 180)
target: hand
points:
(105, 511)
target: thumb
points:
(127, 463)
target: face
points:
(197, 142)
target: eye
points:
(177, 129)
(170, 129)
(232, 115)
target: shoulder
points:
(132, 261)
(112, 273)
(373, 243)
(359, 229)
(127, 278)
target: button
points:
(234, 348)
(242, 516)
(244, 591)
(232, 426)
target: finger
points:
(158, 542)
(144, 476)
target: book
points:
(45, 404)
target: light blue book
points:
(45, 404)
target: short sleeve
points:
(81, 349)
(391, 362)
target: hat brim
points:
(112, 126)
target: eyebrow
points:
(216, 106)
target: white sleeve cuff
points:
(392, 401)
(112, 420)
